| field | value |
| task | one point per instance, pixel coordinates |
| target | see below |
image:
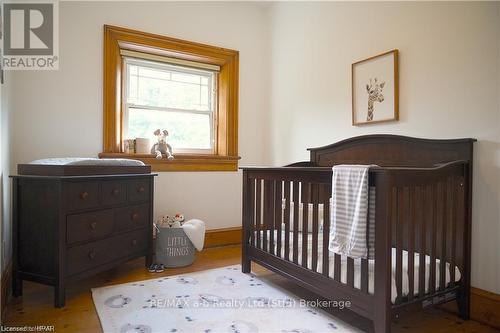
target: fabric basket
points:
(173, 248)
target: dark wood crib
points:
(422, 222)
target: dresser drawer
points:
(85, 257)
(80, 195)
(132, 217)
(88, 226)
(132, 242)
(138, 190)
(113, 192)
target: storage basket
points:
(173, 248)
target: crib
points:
(423, 191)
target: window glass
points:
(176, 98)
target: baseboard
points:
(484, 307)
(223, 237)
(5, 285)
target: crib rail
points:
(275, 198)
(426, 214)
(286, 215)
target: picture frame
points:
(375, 89)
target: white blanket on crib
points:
(349, 216)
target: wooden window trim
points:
(226, 149)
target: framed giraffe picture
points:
(375, 89)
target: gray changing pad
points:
(77, 166)
(88, 161)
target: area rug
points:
(212, 301)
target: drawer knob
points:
(115, 191)
(93, 225)
(134, 242)
(92, 255)
(140, 189)
(135, 216)
(84, 195)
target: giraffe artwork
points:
(374, 90)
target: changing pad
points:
(88, 161)
(78, 166)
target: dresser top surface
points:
(69, 170)
(114, 176)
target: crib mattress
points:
(371, 265)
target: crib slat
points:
(306, 199)
(315, 227)
(278, 197)
(364, 275)
(252, 212)
(453, 214)
(423, 236)
(258, 211)
(269, 219)
(371, 228)
(337, 267)
(412, 199)
(432, 269)
(350, 272)
(326, 229)
(265, 216)
(296, 203)
(286, 219)
(399, 217)
(272, 228)
(444, 222)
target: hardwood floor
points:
(35, 307)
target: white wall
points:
(449, 79)
(497, 154)
(1, 181)
(5, 150)
(59, 113)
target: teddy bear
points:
(162, 147)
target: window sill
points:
(183, 162)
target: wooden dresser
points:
(66, 228)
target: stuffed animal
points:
(167, 221)
(161, 146)
(164, 221)
(176, 221)
(179, 218)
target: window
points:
(190, 89)
(177, 98)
